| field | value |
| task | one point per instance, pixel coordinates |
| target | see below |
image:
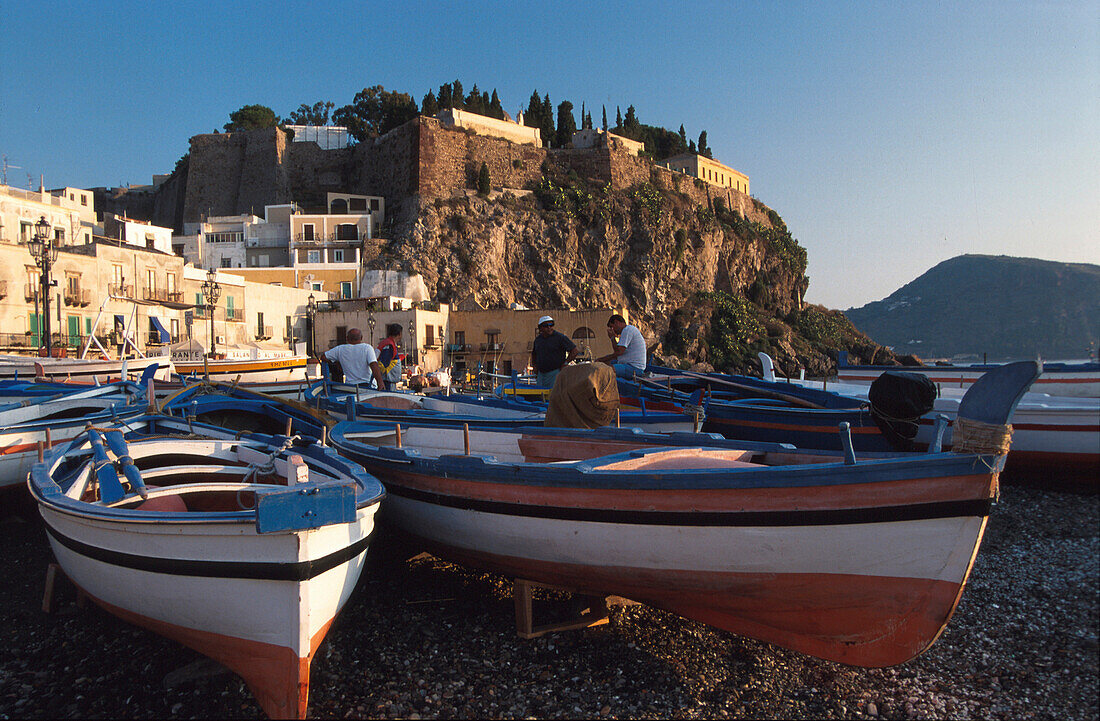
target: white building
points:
(69, 211)
(598, 137)
(137, 232)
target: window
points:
(175, 329)
(345, 289)
(506, 367)
(236, 237)
(429, 335)
(347, 231)
(260, 325)
(374, 203)
(83, 199)
(338, 255)
(341, 334)
(315, 285)
(307, 231)
(72, 283)
(26, 231)
(313, 256)
(151, 279)
(357, 203)
(225, 262)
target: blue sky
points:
(889, 136)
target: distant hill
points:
(1006, 308)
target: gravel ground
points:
(432, 640)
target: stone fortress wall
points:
(420, 161)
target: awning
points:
(165, 336)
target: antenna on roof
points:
(5, 171)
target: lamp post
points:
(211, 291)
(412, 340)
(44, 252)
(311, 312)
(371, 321)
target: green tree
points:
(547, 116)
(532, 117)
(704, 149)
(456, 95)
(483, 180)
(683, 136)
(429, 105)
(445, 96)
(604, 118)
(375, 111)
(630, 123)
(316, 114)
(251, 117)
(496, 110)
(618, 118)
(567, 124)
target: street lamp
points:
(412, 339)
(371, 321)
(44, 253)
(211, 291)
(311, 311)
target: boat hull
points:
(865, 568)
(259, 604)
(264, 370)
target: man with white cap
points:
(550, 351)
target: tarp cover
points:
(584, 396)
(898, 399)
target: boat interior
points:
(531, 446)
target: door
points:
(74, 331)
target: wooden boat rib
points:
(861, 562)
(208, 544)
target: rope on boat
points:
(971, 436)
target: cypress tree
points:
(456, 95)
(618, 118)
(532, 118)
(495, 108)
(604, 118)
(429, 105)
(567, 124)
(683, 138)
(445, 97)
(547, 120)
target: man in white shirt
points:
(357, 359)
(629, 356)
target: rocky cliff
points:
(682, 268)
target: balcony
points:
(432, 343)
(121, 290)
(30, 291)
(234, 314)
(264, 332)
(458, 348)
(492, 346)
(78, 297)
(162, 296)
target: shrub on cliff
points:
(483, 185)
(251, 117)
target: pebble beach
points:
(429, 639)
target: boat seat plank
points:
(683, 458)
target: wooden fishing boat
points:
(1058, 379)
(859, 561)
(244, 549)
(235, 408)
(1056, 436)
(56, 419)
(249, 364)
(350, 403)
(83, 371)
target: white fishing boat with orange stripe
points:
(860, 561)
(244, 549)
(251, 364)
(1058, 379)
